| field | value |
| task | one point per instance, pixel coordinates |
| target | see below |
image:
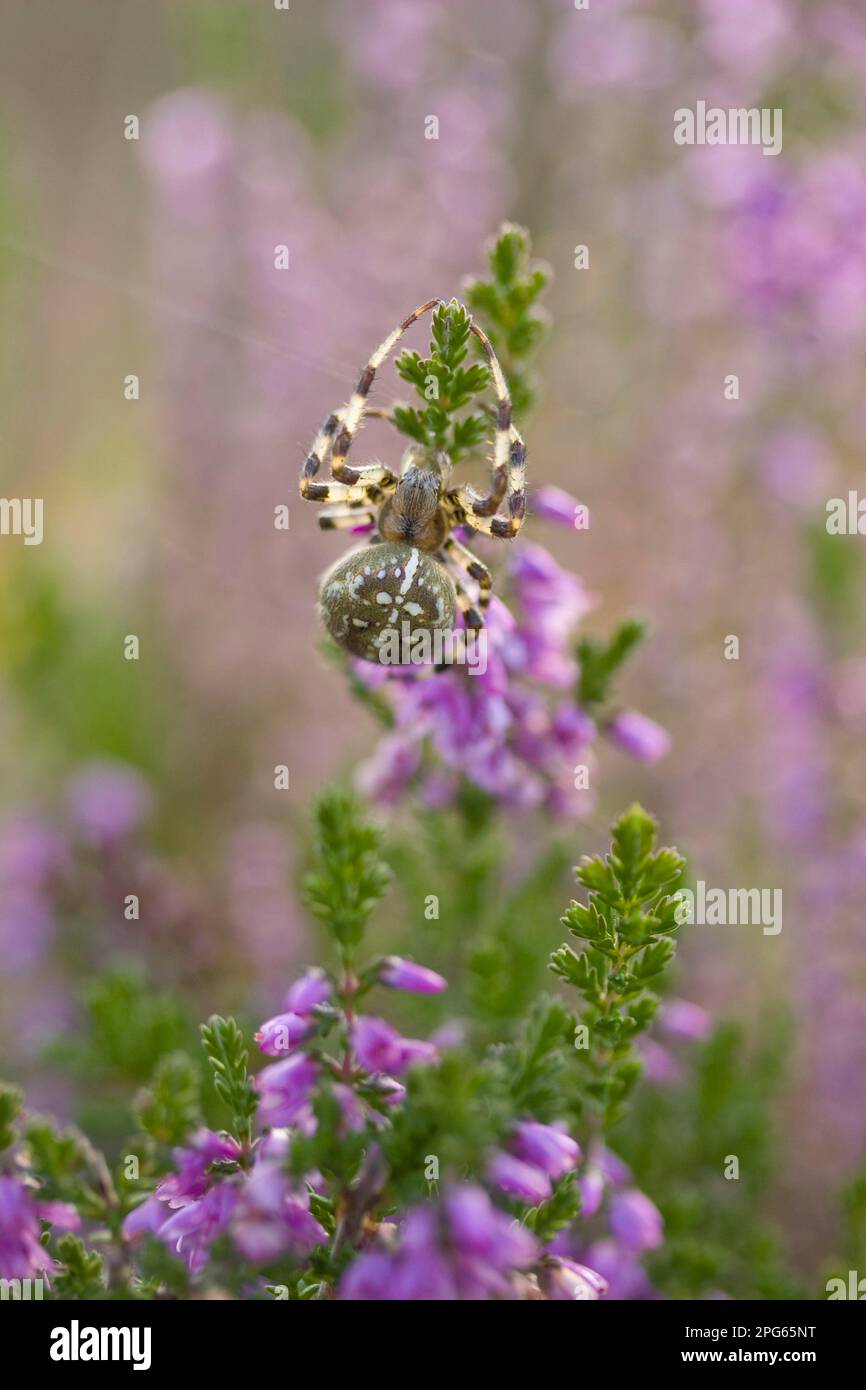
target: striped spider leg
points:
(368, 483)
(334, 440)
(350, 516)
(509, 467)
(459, 560)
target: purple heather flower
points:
(32, 854)
(188, 139)
(625, 1276)
(191, 1231)
(284, 1089)
(385, 776)
(22, 1255)
(591, 1184)
(369, 1278)
(616, 1172)
(681, 1019)
(311, 989)
(479, 1230)
(424, 1271)
(352, 1115)
(603, 1169)
(146, 1219)
(459, 1249)
(62, 1214)
(660, 1065)
(518, 1179)
(547, 1147)
(389, 1091)
(642, 738)
(271, 1218)
(452, 1033)
(552, 602)
(513, 730)
(398, 973)
(27, 928)
(381, 1048)
(33, 859)
(635, 1221)
(192, 1178)
(562, 1278)
(554, 504)
(107, 802)
(571, 727)
(283, 1033)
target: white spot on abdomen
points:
(410, 572)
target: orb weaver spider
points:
(413, 568)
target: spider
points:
(413, 568)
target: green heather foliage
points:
(547, 1035)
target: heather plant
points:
(522, 732)
(453, 1111)
(358, 1162)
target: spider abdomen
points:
(384, 588)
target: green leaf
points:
(558, 1211)
(627, 924)
(350, 876)
(226, 1051)
(596, 875)
(586, 922)
(508, 252)
(652, 960)
(600, 662)
(662, 872)
(450, 333)
(168, 1110)
(409, 421)
(10, 1105)
(467, 434)
(82, 1275)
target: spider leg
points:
(356, 408)
(465, 603)
(498, 526)
(320, 453)
(352, 494)
(509, 464)
(348, 517)
(460, 555)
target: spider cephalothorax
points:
(412, 571)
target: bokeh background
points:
(155, 257)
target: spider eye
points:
(374, 590)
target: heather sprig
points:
(625, 927)
(226, 1051)
(446, 386)
(10, 1105)
(489, 1152)
(506, 304)
(170, 1107)
(453, 417)
(350, 876)
(600, 662)
(82, 1271)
